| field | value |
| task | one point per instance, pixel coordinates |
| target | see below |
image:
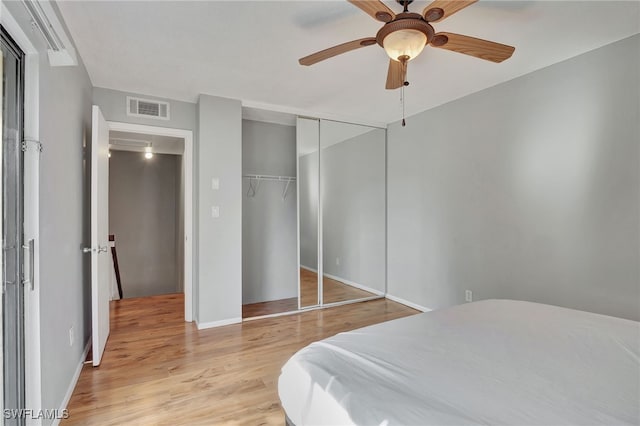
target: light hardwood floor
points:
(333, 291)
(271, 307)
(159, 370)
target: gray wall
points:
(528, 190)
(218, 293)
(269, 266)
(65, 122)
(143, 212)
(353, 208)
(308, 180)
(65, 288)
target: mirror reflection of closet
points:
(308, 148)
(353, 200)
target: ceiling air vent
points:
(138, 107)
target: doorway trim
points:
(187, 160)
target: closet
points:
(269, 205)
(313, 215)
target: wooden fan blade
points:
(442, 9)
(396, 75)
(375, 8)
(483, 49)
(336, 50)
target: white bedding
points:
(489, 362)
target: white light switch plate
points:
(215, 183)
(215, 211)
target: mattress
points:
(489, 362)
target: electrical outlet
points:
(215, 211)
(468, 296)
(71, 336)
(338, 261)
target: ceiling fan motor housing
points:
(405, 21)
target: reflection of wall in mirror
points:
(353, 204)
(308, 181)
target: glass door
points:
(12, 229)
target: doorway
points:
(151, 210)
(145, 209)
(12, 202)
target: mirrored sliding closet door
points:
(341, 211)
(308, 149)
(353, 197)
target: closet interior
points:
(269, 209)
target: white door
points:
(100, 260)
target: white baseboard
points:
(355, 284)
(212, 324)
(309, 269)
(407, 303)
(73, 383)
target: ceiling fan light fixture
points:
(403, 43)
(405, 37)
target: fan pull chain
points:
(402, 99)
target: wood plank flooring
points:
(308, 288)
(159, 370)
(271, 307)
(333, 291)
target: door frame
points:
(33, 383)
(187, 162)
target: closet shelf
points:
(271, 177)
(251, 192)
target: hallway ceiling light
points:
(148, 154)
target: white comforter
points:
(493, 362)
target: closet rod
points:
(271, 177)
(251, 192)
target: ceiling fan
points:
(403, 36)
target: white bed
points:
(490, 362)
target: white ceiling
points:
(249, 50)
